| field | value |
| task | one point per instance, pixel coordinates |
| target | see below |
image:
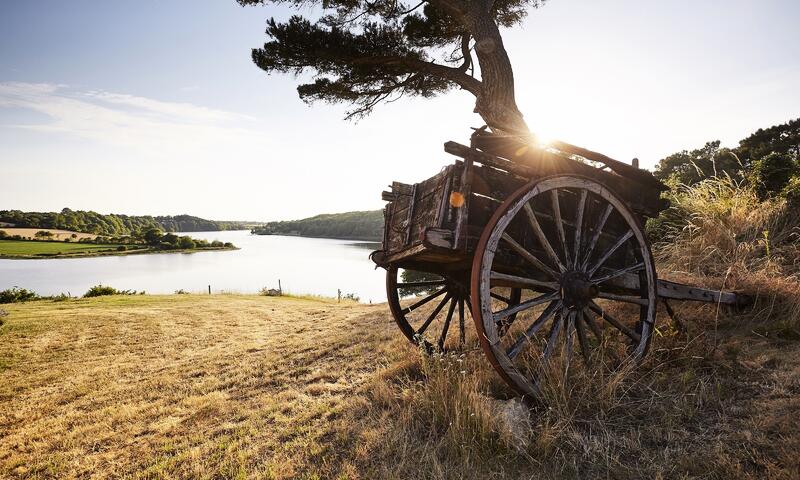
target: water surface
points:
(316, 266)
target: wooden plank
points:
(462, 211)
(679, 291)
(519, 150)
(620, 168)
(401, 188)
(438, 238)
(640, 199)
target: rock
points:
(515, 422)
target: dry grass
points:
(57, 234)
(719, 227)
(232, 386)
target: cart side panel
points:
(415, 208)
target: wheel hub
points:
(577, 290)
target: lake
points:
(317, 266)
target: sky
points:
(155, 108)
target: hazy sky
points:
(154, 107)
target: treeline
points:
(112, 224)
(767, 160)
(732, 205)
(366, 225)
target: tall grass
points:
(719, 227)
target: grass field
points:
(24, 248)
(225, 386)
(57, 234)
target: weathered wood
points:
(526, 151)
(410, 214)
(678, 291)
(620, 168)
(641, 200)
(388, 196)
(438, 237)
(401, 188)
(462, 211)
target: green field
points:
(23, 248)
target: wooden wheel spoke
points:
(503, 299)
(553, 337)
(446, 326)
(613, 321)
(422, 302)
(592, 326)
(506, 312)
(559, 224)
(433, 314)
(522, 282)
(579, 228)
(461, 327)
(582, 340)
(431, 283)
(610, 251)
(618, 273)
(537, 230)
(570, 327)
(587, 317)
(523, 339)
(528, 256)
(624, 298)
(596, 234)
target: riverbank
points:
(246, 386)
(42, 249)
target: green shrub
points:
(186, 243)
(17, 295)
(121, 248)
(102, 290)
(771, 175)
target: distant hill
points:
(113, 224)
(366, 225)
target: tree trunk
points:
(495, 103)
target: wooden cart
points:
(543, 245)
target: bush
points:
(121, 248)
(217, 244)
(186, 243)
(770, 175)
(351, 296)
(102, 290)
(3, 234)
(17, 295)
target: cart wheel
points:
(585, 265)
(429, 326)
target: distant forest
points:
(366, 225)
(113, 224)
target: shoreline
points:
(366, 240)
(143, 251)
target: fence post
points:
(339, 293)
(280, 289)
(209, 289)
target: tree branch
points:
(455, 75)
(465, 52)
